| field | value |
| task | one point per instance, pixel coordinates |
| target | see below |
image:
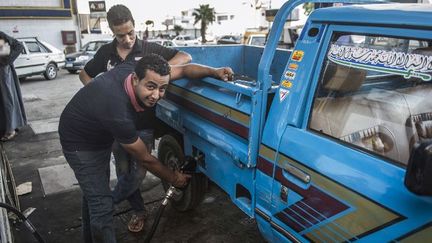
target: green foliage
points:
(149, 22)
(177, 29)
(206, 15)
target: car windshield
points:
(187, 38)
(92, 46)
(258, 41)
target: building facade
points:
(53, 21)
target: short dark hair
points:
(119, 14)
(152, 62)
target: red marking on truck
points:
(211, 116)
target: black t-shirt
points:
(106, 57)
(99, 113)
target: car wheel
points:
(22, 79)
(72, 71)
(50, 71)
(170, 153)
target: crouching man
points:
(105, 110)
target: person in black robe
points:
(12, 113)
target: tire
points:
(170, 153)
(50, 71)
(21, 79)
(72, 71)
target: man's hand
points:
(224, 73)
(180, 179)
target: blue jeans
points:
(130, 174)
(92, 170)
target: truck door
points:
(340, 161)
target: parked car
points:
(256, 40)
(38, 57)
(185, 40)
(229, 39)
(163, 42)
(77, 60)
(210, 40)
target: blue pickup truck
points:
(329, 142)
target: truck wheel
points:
(50, 71)
(170, 153)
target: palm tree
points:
(147, 23)
(206, 15)
(177, 29)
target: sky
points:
(158, 10)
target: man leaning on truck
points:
(127, 47)
(105, 110)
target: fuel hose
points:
(188, 166)
(26, 221)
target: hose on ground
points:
(26, 221)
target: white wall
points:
(48, 30)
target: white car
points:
(38, 57)
(163, 42)
(256, 40)
(185, 40)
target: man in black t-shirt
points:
(126, 47)
(105, 110)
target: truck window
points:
(374, 94)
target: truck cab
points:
(330, 142)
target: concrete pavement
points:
(36, 156)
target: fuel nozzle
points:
(189, 165)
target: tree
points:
(206, 15)
(147, 23)
(167, 23)
(177, 29)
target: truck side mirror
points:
(418, 177)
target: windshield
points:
(93, 46)
(374, 94)
(258, 40)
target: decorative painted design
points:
(293, 66)
(421, 234)
(297, 56)
(283, 93)
(287, 84)
(233, 120)
(390, 62)
(290, 75)
(327, 210)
